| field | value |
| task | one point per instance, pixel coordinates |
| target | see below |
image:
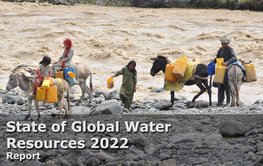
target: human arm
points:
(120, 72)
(232, 59)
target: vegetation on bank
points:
(229, 4)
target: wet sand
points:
(106, 38)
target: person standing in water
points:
(129, 81)
(42, 72)
(65, 59)
(229, 56)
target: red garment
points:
(69, 43)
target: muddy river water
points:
(106, 38)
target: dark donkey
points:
(200, 77)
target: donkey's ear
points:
(153, 58)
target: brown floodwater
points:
(106, 38)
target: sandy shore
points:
(106, 38)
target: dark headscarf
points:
(46, 59)
(134, 63)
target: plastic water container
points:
(41, 94)
(52, 94)
(67, 70)
(110, 83)
(46, 83)
(59, 74)
(169, 76)
(211, 69)
(220, 72)
(250, 73)
(72, 81)
(180, 67)
(219, 61)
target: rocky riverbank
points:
(200, 135)
(106, 103)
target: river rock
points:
(20, 101)
(50, 163)
(9, 99)
(108, 107)
(92, 161)
(170, 162)
(259, 162)
(259, 147)
(259, 101)
(140, 142)
(163, 104)
(233, 129)
(197, 104)
(30, 163)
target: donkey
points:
(235, 76)
(25, 83)
(82, 74)
(200, 77)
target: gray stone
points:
(63, 162)
(97, 93)
(9, 99)
(80, 110)
(107, 108)
(197, 104)
(163, 104)
(30, 163)
(20, 101)
(170, 162)
(50, 163)
(259, 147)
(92, 162)
(140, 141)
(102, 156)
(259, 162)
(164, 156)
(157, 90)
(233, 129)
(259, 101)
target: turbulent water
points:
(106, 38)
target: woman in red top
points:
(65, 59)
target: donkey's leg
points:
(60, 104)
(89, 91)
(29, 107)
(239, 82)
(208, 88)
(65, 106)
(82, 87)
(202, 90)
(172, 97)
(37, 108)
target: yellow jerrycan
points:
(110, 83)
(219, 61)
(180, 67)
(46, 83)
(59, 74)
(220, 74)
(41, 94)
(52, 94)
(169, 76)
(250, 73)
